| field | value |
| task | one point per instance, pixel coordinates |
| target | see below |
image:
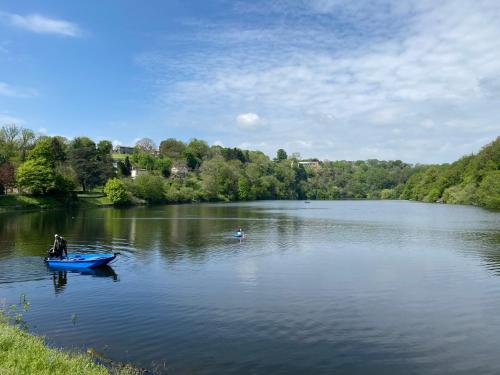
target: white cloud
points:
(38, 23)
(248, 120)
(218, 143)
(15, 92)
(6, 119)
(42, 130)
(334, 73)
(116, 142)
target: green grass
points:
(24, 353)
(28, 201)
(93, 200)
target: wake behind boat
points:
(73, 260)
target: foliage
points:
(15, 142)
(172, 148)
(216, 173)
(124, 167)
(36, 176)
(163, 165)
(195, 152)
(488, 192)
(52, 149)
(63, 184)
(472, 179)
(7, 175)
(148, 187)
(92, 165)
(281, 155)
(117, 192)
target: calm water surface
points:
(366, 287)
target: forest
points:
(182, 172)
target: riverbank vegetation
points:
(24, 353)
(179, 172)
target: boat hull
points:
(81, 261)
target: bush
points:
(149, 188)
(117, 192)
(387, 194)
(63, 184)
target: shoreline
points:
(27, 203)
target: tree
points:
(489, 190)
(196, 151)
(26, 141)
(144, 160)
(172, 148)
(91, 167)
(36, 176)
(124, 167)
(146, 145)
(117, 192)
(163, 165)
(220, 178)
(15, 141)
(52, 149)
(281, 155)
(7, 175)
(104, 147)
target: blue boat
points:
(81, 260)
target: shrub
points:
(149, 188)
(117, 192)
(62, 184)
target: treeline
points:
(473, 179)
(194, 171)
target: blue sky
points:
(337, 79)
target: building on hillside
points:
(310, 164)
(137, 172)
(124, 150)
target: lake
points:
(344, 287)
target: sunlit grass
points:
(23, 353)
(28, 201)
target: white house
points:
(137, 172)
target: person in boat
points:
(239, 232)
(59, 248)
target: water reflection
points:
(337, 287)
(59, 279)
(60, 276)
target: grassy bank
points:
(24, 353)
(12, 202)
(18, 201)
(93, 199)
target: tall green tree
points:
(281, 155)
(35, 176)
(91, 166)
(196, 151)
